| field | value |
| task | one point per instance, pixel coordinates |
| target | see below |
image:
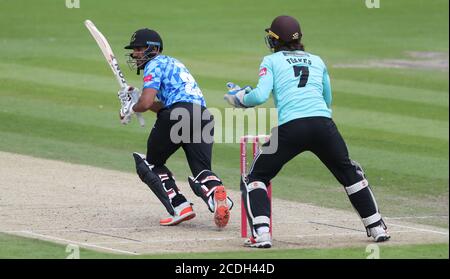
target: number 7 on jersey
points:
(303, 72)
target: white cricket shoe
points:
(379, 233)
(263, 240)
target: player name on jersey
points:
(295, 60)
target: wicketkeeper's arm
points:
(147, 101)
(261, 93)
(327, 89)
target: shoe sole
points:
(382, 238)
(222, 213)
(186, 217)
(265, 244)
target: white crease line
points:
(79, 230)
(295, 222)
(416, 217)
(276, 237)
(280, 237)
(76, 242)
(170, 240)
(350, 233)
(419, 229)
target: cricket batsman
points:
(172, 93)
(301, 90)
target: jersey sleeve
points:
(326, 87)
(152, 75)
(262, 91)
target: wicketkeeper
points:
(183, 121)
(301, 90)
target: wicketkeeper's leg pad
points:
(257, 204)
(363, 200)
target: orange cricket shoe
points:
(221, 210)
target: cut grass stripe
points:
(404, 163)
(401, 93)
(81, 152)
(392, 106)
(394, 142)
(409, 126)
(93, 136)
(416, 80)
(50, 77)
(305, 169)
(95, 115)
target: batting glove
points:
(128, 97)
(129, 93)
(235, 95)
(125, 113)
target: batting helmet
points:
(151, 40)
(144, 38)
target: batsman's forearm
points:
(142, 107)
(146, 101)
(156, 106)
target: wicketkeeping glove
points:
(128, 97)
(235, 95)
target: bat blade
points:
(106, 49)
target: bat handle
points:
(140, 119)
(139, 116)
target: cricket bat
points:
(110, 58)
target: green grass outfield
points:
(17, 247)
(58, 97)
